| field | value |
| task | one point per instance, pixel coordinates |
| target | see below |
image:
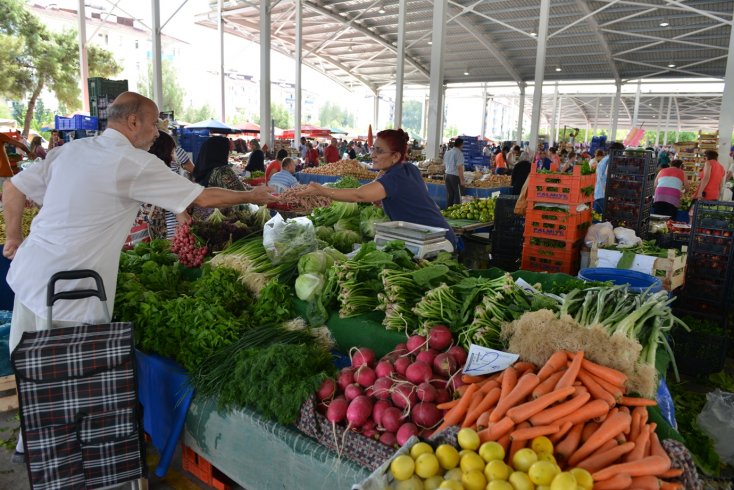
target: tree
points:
(413, 116)
(195, 114)
(334, 116)
(41, 59)
(450, 132)
(41, 118)
(173, 93)
(279, 114)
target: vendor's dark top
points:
(408, 200)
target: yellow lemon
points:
(524, 459)
(454, 474)
(402, 467)
(497, 470)
(412, 483)
(542, 472)
(468, 439)
(420, 448)
(471, 461)
(426, 465)
(489, 451)
(564, 481)
(542, 487)
(451, 485)
(583, 478)
(521, 481)
(448, 456)
(464, 452)
(547, 457)
(499, 485)
(542, 445)
(473, 480)
(432, 483)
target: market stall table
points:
(461, 226)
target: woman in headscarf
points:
(256, 162)
(212, 165)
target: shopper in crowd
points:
(56, 139)
(276, 165)
(663, 159)
(567, 166)
(555, 160)
(500, 162)
(542, 160)
(710, 177)
(598, 156)
(302, 148)
(453, 162)
(669, 186)
(90, 190)
(285, 179)
(256, 162)
(400, 188)
(312, 156)
(350, 150)
(513, 156)
(519, 175)
(600, 188)
(36, 148)
(212, 165)
(331, 154)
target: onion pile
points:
(183, 244)
(342, 168)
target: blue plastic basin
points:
(638, 282)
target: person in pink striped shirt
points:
(669, 185)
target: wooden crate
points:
(671, 270)
(8, 393)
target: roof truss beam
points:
(581, 5)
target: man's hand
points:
(183, 218)
(313, 189)
(261, 195)
(10, 247)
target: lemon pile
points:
(481, 210)
(482, 467)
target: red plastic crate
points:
(561, 188)
(204, 471)
(542, 259)
(256, 181)
(550, 245)
(557, 225)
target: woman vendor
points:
(400, 188)
(212, 165)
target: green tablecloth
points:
(260, 454)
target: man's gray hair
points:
(120, 111)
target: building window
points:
(136, 44)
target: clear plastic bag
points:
(601, 234)
(717, 420)
(288, 240)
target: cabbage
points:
(308, 286)
(344, 240)
(351, 223)
(324, 233)
(346, 209)
(369, 216)
(315, 262)
(335, 254)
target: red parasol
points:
(370, 138)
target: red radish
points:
(425, 415)
(444, 364)
(370, 432)
(418, 372)
(379, 409)
(327, 389)
(359, 411)
(384, 368)
(388, 438)
(402, 364)
(353, 391)
(401, 348)
(405, 432)
(363, 356)
(454, 382)
(370, 424)
(337, 410)
(415, 343)
(442, 395)
(346, 377)
(365, 376)
(426, 356)
(459, 354)
(426, 392)
(403, 395)
(392, 417)
(427, 433)
(439, 337)
(381, 388)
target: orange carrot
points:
(617, 482)
(469, 379)
(515, 446)
(616, 390)
(525, 385)
(553, 364)
(656, 449)
(643, 416)
(612, 375)
(635, 426)
(631, 401)
(528, 433)
(672, 473)
(651, 465)
(596, 390)
(483, 421)
(624, 409)
(547, 385)
(524, 366)
(462, 389)
(497, 430)
(458, 412)
(504, 441)
(489, 386)
(608, 445)
(555, 438)
(476, 399)
(612, 426)
(487, 401)
(591, 410)
(602, 459)
(667, 485)
(448, 405)
(648, 482)
(641, 445)
(621, 438)
(568, 445)
(561, 410)
(589, 429)
(524, 411)
(572, 372)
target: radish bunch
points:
(183, 244)
(395, 397)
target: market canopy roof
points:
(307, 131)
(214, 125)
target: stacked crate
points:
(630, 189)
(556, 221)
(508, 234)
(101, 94)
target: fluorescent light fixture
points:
(664, 24)
(466, 73)
(430, 43)
(671, 65)
(558, 68)
(382, 8)
(533, 34)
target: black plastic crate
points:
(709, 289)
(505, 218)
(477, 250)
(699, 353)
(508, 263)
(702, 264)
(702, 306)
(631, 163)
(507, 244)
(673, 240)
(104, 87)
(711, 244)
(714, 215)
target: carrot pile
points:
(581, 407)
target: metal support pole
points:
(265, 121)
(637, 104)
(424, 128)
(558, 119)
(586, 133)
(222, 95)
(520, 113)
(614, 116)
(83, 65)
(660, 121)
(483, 131)
(596, 117)
(554, 118)
(435, 98)
(299, 63)
(539, 73)
(155, 33)
(726, 115)
(400, 68)
(667, 121)
(376, 111)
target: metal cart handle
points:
(52, 296)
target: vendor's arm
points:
(13, 205)
(216, 197)
(704, 180)
(374, 191)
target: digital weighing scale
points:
(423, 241)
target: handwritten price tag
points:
(482, 360)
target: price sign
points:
(482, 360)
